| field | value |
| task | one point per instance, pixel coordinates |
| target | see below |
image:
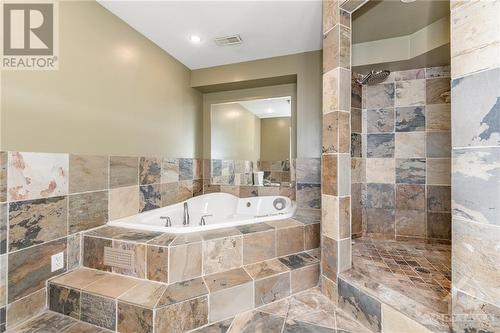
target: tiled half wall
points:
(48, 199)
(401, 156)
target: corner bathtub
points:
(220, 210)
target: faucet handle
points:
(168, 222)
(202, 221)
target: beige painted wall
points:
(275, 139)
(308, 69)
(245, 95)
(235, 133)
(115, 93)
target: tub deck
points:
(214, 274)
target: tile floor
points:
(308, 311)
(418, 270)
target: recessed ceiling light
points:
(407, 1)
(269, 110)
(194, 39)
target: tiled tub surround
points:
(48, 200)
(187, 280)
(401, 157)
(475, 92)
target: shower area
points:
(401, 170)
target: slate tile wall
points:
(475, 113)
(47, 201)
(401, 156)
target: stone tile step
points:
(168, 258)
(114, 301)
(381, 308)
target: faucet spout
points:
(185, 220)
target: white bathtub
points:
(219, 210)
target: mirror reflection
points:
(253, 136)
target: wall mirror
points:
(251, 142)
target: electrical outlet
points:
(57, 261)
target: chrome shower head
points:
(374, 77)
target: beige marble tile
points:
(410, 93)
(190, 314)
(87, 211)
(185, 262)
(74, 246)
(331, 96)
(344, 132)
(224, 280)
(123, 202)
(331, 49)
(182, 291)
(259, 246)
(381, 170)
(222, 254)
(272, 288)
(265, 268)
(170, 170)
(3, 281)
(228, 302)
(438, 171)
(123, 171)
(146, 294)
(438, 91)
(79, 278)
(88, 173)
(311, 236)
(111, 285)
(395, 322)
(358, 170)
(3, 176)
(438, 117)
(305, 278)
(330, 216)
(26, 308)
(474, 37)
(289, 240)
(157, 263)
(475, 259)
(37, 175)
(410, 145)
(131, 319)
(330, 14)
(280, 224)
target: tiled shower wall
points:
(475, 109)
(401, 156)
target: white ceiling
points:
(268, 28)
(269, 108)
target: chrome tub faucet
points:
(185, 220)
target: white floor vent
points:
(118, 258)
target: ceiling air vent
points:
(228, 40)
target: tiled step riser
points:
(115, 314)
(170, 264)
(375, 314)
